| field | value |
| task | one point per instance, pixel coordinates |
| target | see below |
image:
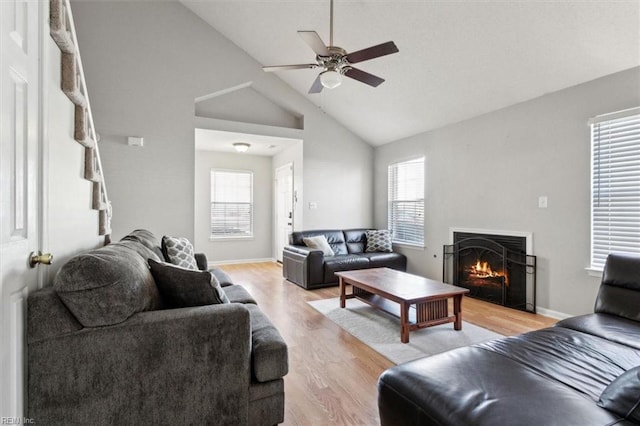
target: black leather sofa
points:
(553, 376)
(309, 268)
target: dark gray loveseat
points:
(553, 376)
(310, 268)
(219, 364)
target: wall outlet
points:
(542, 202)
(313, 205)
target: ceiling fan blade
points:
(315, 42)
(372, 52)
(289, 67)
(316, 87)
(363, 77)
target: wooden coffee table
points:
(422, 302)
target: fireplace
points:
(494, 267)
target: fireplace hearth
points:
(495, 268)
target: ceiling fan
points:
(336, 62)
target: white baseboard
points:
(238, 261)
(552, 314)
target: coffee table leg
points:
(404, 322)
(343, 298)
(457, 311)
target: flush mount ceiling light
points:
(241, 146)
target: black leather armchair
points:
(553, 376)
(310, 268)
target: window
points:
(231, 204)
(406, 202)
(615, 185)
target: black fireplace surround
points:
(495, 268)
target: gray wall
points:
(260, 246)
(145, 64)
(488, 172)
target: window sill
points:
(410, 246)
(594, 272)
(219, 239)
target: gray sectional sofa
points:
(310, 268)
(104, 350)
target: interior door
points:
(19, 142)
(284, 207)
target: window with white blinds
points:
(231, 204)
(406, 202)
(615, 185)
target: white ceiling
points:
(216, 140)
(457, 59)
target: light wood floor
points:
(332, 375)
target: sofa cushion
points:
(142, 250)
(181, 287)
(619, 293)
(269, 359)
(610, 327)
(179, 251)
(342, 263)
(223, 278)
(107, 285)
(355, 239)
(622, 396)
(334, 237)
(319, 242)
(386, 260)
(147, 239)
(238, 294)
(379, 241)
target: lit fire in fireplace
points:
(482, 270)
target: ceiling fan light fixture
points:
(330, 79)
(241, 146)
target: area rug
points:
(381, 331)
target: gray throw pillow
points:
(622, 396)
(182, 288)
(379, 241)
(179, 251)
(319, 242)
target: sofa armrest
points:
(303, 265)
(178, 366)
(201, 261)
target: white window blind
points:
(406, 201)
(615, 185)
(231, 204)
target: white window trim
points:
(596, 269)
(403, 243)
(251, 219)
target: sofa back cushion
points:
(107, 285)
(148, 240)
(355, 240)
(335, 238)
(619, 292)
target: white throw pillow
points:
(320, 242)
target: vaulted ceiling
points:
(457, 59)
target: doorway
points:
(284, 207)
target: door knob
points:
(45, 259)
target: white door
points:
(284, 207)
(19, 142)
